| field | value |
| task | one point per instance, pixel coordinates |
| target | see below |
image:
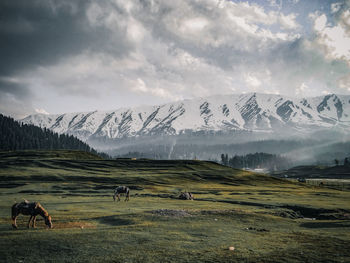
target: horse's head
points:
(48, 221)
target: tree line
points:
(18, 136)
(256, 160)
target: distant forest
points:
(256, 160)
(17, 136)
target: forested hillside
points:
(18, 136)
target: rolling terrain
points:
(264, 218)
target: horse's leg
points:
(14, 223)
(118, 195)
(30, 219)
(34, 218)
(14, 214)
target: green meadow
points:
(263, 218)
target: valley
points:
(265, 219)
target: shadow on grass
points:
(11, 185)
(114, 221)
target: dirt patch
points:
(170, 213)
(78, 224)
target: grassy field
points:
(265, 219)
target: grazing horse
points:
(30, 208)
(122, 190)
(186, 196)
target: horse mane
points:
(41, 210)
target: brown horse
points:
(30, 208)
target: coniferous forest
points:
(18, 136)
(256, 160)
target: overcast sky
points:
(68, 56)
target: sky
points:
(84, 55)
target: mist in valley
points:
(320, 147)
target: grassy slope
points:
(232, 208)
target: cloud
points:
(14, 97)
(288, 21)
(41, 111)
(334, 40)
(335, 7)
(344, 82)
(109, 54)
(301, 89)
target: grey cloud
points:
(14, 98)
(39, 33)
(91, 48)
(14, 88)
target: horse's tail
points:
(14, 210)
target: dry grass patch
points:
(77, 224)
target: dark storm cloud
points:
(39, 33)
(14, 98)
(13, 88)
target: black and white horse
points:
(186, 196)
(121, 190)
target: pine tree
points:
(17, 136)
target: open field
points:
(265, 219)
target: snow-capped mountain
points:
(253, 112)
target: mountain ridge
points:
(246, 112)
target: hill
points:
(265, 219)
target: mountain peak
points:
(250, 111)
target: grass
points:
(265, 219)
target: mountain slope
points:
(251, 112)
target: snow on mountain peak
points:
(251, 111)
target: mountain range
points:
(247, 112)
